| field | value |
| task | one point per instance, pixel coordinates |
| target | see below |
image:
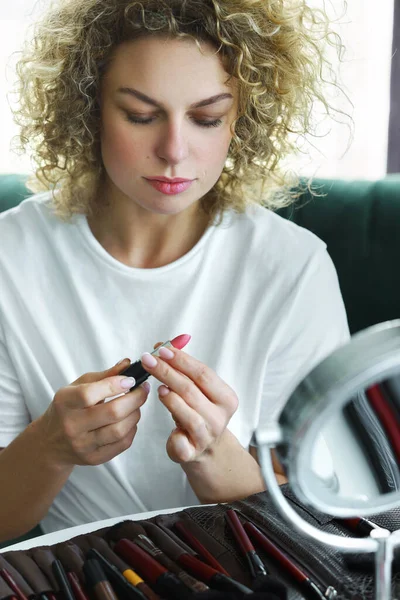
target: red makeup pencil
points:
(255, 563)
(165, 582)
(211, 576)
(12, 584)
(198, 546)
(76, 586)
(309, 587)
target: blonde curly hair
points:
(273, 48)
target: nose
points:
(173, 142)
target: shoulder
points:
(29, 225)
(30, 212)
(275, 243)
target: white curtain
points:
(365, 74)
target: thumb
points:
(99, 375)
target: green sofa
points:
(360, 223)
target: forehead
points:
(165, 64)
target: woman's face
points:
(173, 139)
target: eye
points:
(137, 121)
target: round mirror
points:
(340, 429)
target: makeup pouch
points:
(325, 566)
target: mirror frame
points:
(370, 357)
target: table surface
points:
(65, 534)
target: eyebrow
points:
(144, 98)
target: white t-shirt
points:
(258, 294)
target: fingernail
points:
(120, 362)
(146, 385)
(163, 390)
(165, 353)
(148, 360)
(127, 382)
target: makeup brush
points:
(255, 563)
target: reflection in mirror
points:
(338, 438)
(356, 457)
(341, 427)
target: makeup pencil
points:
(75, 584)
(170, 550)
(148, 546)
(6, 593)
(198, 546)
(197, 567)
(308, 586)
(173, 536)
(12, 584)
(255, 563)
(129, 590)
(156, 575)
(108, 557)
(97, 581)
(211, 576)
(32, 574)
(62, 580)
(17, 577)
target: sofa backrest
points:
(360, 223)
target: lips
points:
(170, 188)
(167, 180)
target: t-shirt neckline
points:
(96, 248)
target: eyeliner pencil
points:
(62, 580)
(302, 579)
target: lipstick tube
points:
(140, 374)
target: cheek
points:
(118, 145)
(214, 154)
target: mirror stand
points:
(381, 541)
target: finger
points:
(181, 385)
(103, 454)
(115, 432)
(97, 376)
(114, 411)
(89, 394)
(179, 371)
(179, 448)
(200, 432)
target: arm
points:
(77, 429)
(201, 404)
(225, 472)
(30, 486)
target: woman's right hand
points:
(81, 429)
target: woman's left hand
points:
(200, 402)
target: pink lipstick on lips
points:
(169, 186)
(136, 369)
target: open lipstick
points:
(140, 374)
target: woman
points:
(115, 95)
